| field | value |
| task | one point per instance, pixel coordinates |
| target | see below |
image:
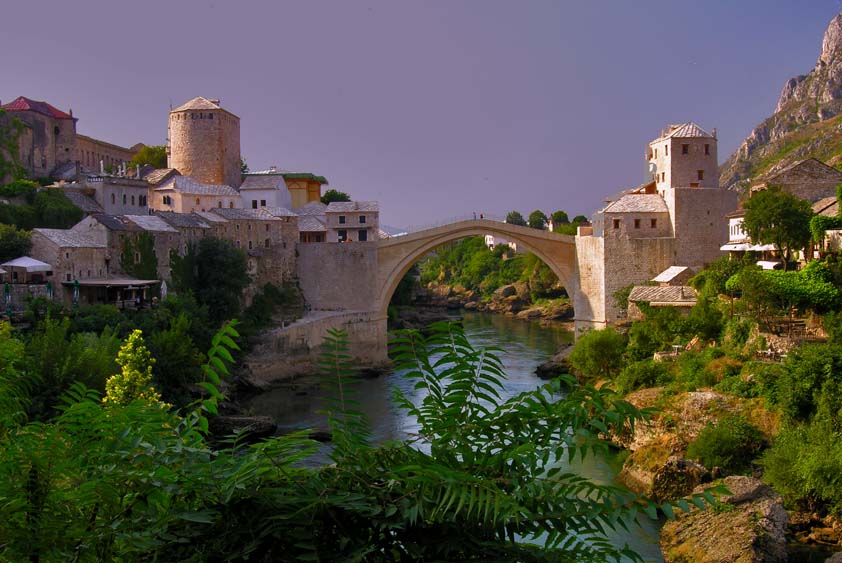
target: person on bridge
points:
(480, 216)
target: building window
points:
(685, 149)
(362, 219)
(343, 235)
(113, 199)
(616, 223)
(137, 257)
(663, 176)
(266, 243)
(341, 219)
(707, 149)
(254, 204)
(67, 255)
(666, 150)
(210, 116)
(653, 223)
(132, 200)
(249, 245)
(219, 204)
(362, 235)
(656, 153)
(197, 201)
(67, 276)
(637, 223)
(238, 244)
(262, 203)
(267, 227)
(124, 199)
(701, 174)
(231, 205)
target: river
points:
(526, 345)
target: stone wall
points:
(700, 223)
(292, 350)
(338, 276)
(90, 152)
(21, 294)
(589, 301)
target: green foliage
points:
(642, 374)
(820, 224)
(662, 327)
(711, 281)
(579, 219)
(215, 273)
(766, 292)
(732, 443)
(559, 218)
(152, 155)
(515, 218)
(774, 216)
(332, 195)
(134, 382)
(537, 220)
(54, 210)
(18, 188)
(10, 131)
(621, 297)
(598, 354)
(14, 243)
(14, 385)
(177, 360)
(813, 377)
(138, 258)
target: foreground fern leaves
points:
(483, 480)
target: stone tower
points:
(204, 142)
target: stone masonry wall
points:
(205, 148)
(589, 301)
(701, 227)
(338, 276)
(632, 261)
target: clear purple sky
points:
(435, 108)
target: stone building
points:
(74, 255)
(183, 194)
(352, 221)
(204, 142)
(51, 140)
(304, 188)
(676, 219)
(809, 179)
(265, 189)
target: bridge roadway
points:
(396, 255)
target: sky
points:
(436, 109)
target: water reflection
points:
(525, 345)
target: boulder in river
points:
(555, 365)
(254, 428)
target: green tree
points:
(598, 354)
(152, 155)
(560, 218)
(774, 216)
(244, 167)
(54, 210)
(138, 258)
(515, 218)
(537, 220)
(732, 444)
(332, 195)
(10, 131)
(579, 219)
(219, 278)
(14, 243)
(134, 382)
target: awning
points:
(763, 247)
(736, 247)
(2, 271)
(127, 283)
(769, 264)
(28, 264)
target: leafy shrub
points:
(813, 375)
(17, 188)
(732, 443)
(599, 353)
(642, 374)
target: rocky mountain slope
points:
(807, 121)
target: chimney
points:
(273, 168)
(70, 111)
(137, 171)
(214, 101)
(714, 132)
(102, 167)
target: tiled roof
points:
(187, 185)
(665, 294)
(669, 274)
(637, 203)
(151, 223)
(280, 212)
(83, 202)
(25, 104)
(248, 214)
(197, 103)
(211, 217)
(684, 130)
(344, 206)
(310, 224)
(305, 176)
(157, 175)
(67, 238)
(183, 220)
(263, 182)
(312, 208)
(115, 222)
(828, 206)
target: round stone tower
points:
(204, 142)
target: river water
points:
(526, 345)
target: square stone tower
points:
(204, 142)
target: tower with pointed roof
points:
(204, 142)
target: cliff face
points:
(807, 121)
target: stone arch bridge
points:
(396, 255)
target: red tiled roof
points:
(25, 104)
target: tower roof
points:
(684, 130)
(198, 103)
(25, 104)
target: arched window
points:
(124, 199)
(219, 203)
(231, 204)
(132, 200)
(113, 199)
(197, 202)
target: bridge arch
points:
(397, 255)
